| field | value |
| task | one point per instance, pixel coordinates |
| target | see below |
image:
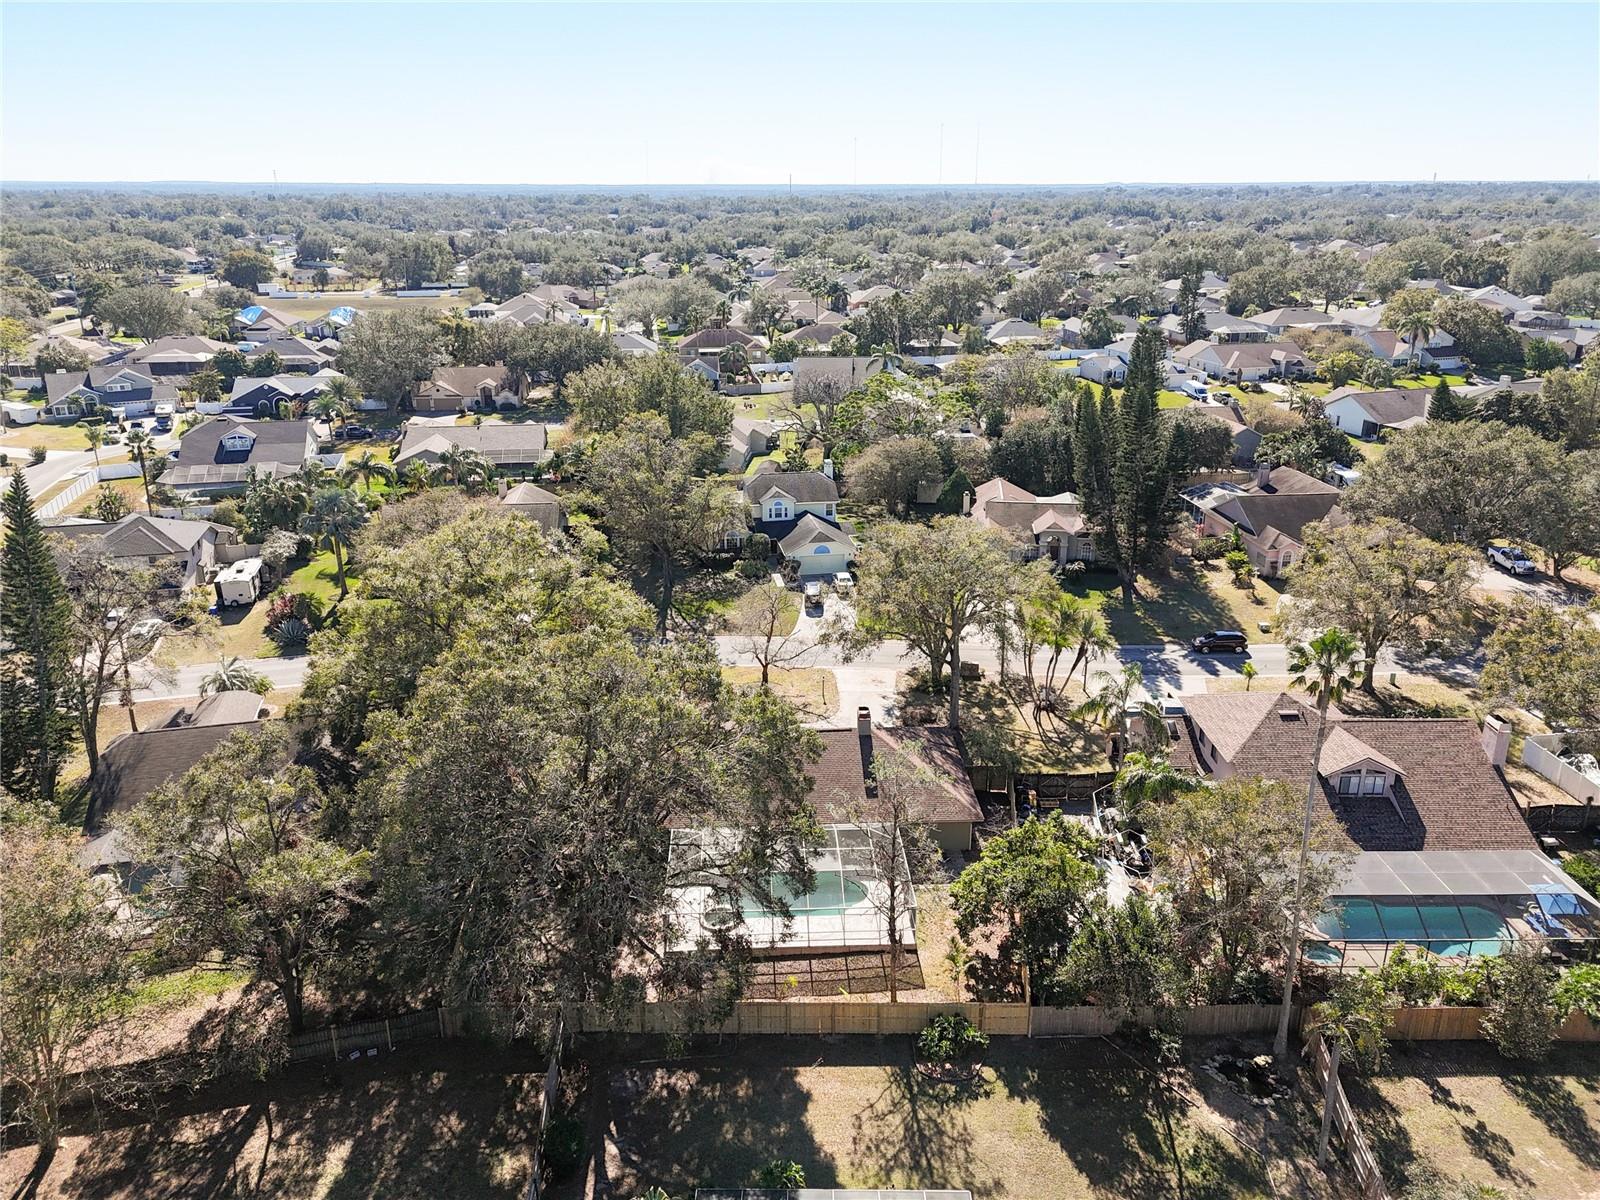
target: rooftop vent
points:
(1288, 714)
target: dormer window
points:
(778, 510)
(1363, 783)
(239, 442)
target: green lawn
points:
(1166, 399)
(1371, 452)
(51, 437)
(319, 577)
(1193, 600)
(185, 987)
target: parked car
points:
(843, 581)
(163, 424)
(1510, 558)
(1221, 641)
(812, 590)
(353, 431)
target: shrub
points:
(1584, 867)
(1522, 1019)
(951, 1038)
(109, 505)
(781, 1173)
(36, 455)
(294, 606)
(563, 1146)
(5, 459)
(291, 632)
(1466, 984)
(1414, 976)
(1209, 549)
(758, 547)
(750, 568)
(1579, 990)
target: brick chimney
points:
(1496, 739)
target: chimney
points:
(1496, 739)
(1263, 474)
(827, 467)
(1505, 381)
(503, 487)
(864, 721)
(869, 779)
(966, 503)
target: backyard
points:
(1059, 1119)
(1463, 1111)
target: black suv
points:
(1221, 641)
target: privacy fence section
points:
(1449, 1024)
(547, 1104)
(1363, 1163)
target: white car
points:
(843, 581)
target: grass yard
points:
(432, 1121)
(1371, 452)
(1462, 1110)
(1194, 599)
(319, 577)
(739, 611)
(51, 437)
(240, 632)
(1166, 399)
(1063, 1119)
(131, 490)
(812, 690)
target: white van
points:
(1194, 389)
(239, 583)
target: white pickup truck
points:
(1510, 558)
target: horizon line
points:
(778, 186)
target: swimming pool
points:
(835, 894)
(1451, 930)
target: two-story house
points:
(1269, 513)
(188, 547)
(1050, 527)
(799, 511)
(128, 391)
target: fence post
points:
(388, 1033)
(1330, 1082)
(334, 1030)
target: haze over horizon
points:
(619, 96)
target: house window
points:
(778, 510)
(1376, 784)
(1350, 783)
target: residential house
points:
(24, 364)
(1014, 330)
(1245, 439)
(749, 438)
(1279, 321)
(1366, 414)
(516, 447)
(1238, 362)
(252, 397)
(534, 502)
(469, 389)
(1507, 304)
(1436, 351)
(296, 356)
(1269, 513)
(220, 455)
(564, 293)
(178, 356)
(1070, 331)
(818, 336)
(1220, 328)
(847, 373)
(1441, 855)
(1049, 527)
(257, 323)
(634, 345)
(332, 324)
(799, 511)
(127, 391)
(1108, 366)
(859, 300)
(843, 779)
(136, 764)
(188, 547)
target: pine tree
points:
(35, 726)
(1192, 320)
(1445, 405)
(1129, 467)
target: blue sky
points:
(827, 94)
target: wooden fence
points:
(1447, 1024)
(1363, 1163)
(354, 1040)
(547, 1103)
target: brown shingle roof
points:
(1448, 796)
(839, 776)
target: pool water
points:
(1448, 930)
(834, 895)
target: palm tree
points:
(417, 476)
(1326, 667)
(1114, 695)
(1149, 779)
(96, 435)
(1249, 672)
(1418, 326)
(328, 407)
(336, 513)
(139, 444)
(365, 468)
(232, 675)
(466, 467)
(343, 389)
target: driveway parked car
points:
(1221, 641)
(812, 590)
(843, 581)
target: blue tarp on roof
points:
(343, 315)
(251, 314)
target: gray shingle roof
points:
(839, 776)
(805, 487)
